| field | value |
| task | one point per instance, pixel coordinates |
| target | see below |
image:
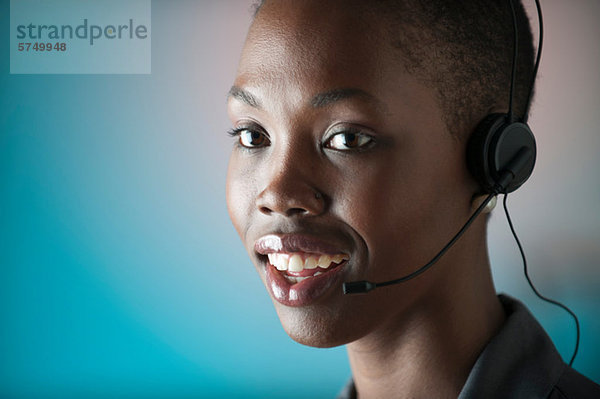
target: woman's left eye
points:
(346, 141)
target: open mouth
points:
(299, 278)
(299, 266)
(300, 269)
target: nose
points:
(289, 192)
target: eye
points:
(349, 140)
(250, 138)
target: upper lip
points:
(289, 243)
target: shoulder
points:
(572, 385)
(522, 362)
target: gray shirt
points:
(519, 362)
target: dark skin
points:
(327, 108)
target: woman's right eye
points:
(250, 138)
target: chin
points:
(317, 326)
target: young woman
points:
(351, 120)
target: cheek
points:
(391, 208)
(239, 195)
(380, 196)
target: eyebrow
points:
(332, 96)
(318, 101)
(244, 96)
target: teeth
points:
(294, 262)
(310, 263)
(278, 261)
(324, 261)
(337, 259)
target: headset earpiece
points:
(491, 148)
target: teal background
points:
(121, 275)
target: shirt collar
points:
(520, 361)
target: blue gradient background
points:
(121, 275)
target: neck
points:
(430, 352)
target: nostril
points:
(296, 211)
(290, 212)
(287, 199)
(265, 210)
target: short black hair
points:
(464, 50)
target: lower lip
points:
(304, 292)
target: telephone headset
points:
(501, 155)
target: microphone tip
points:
(358, 287)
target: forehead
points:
(320, 43)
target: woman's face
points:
(342, 170)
